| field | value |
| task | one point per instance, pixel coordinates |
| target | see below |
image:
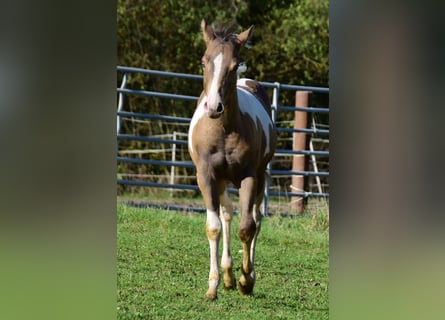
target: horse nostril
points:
(220, 108)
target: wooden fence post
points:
(299, 143)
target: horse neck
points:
(232, 114)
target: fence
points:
(316, 154)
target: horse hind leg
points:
(248, 277)
(257, 218)
(249, 228)
(226, 212)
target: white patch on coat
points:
(242, 82)
(199, 113)
(252, 106)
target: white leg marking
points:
(226, 260)
(257, 218)
(213, 229)
(226, 219)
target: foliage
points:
(290, 38)
(163, 268)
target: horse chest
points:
(235, 156)
(227, 156)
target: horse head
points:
(220, 63)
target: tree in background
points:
(290, 41)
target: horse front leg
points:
(226, 212)
(213, 231)
(249, 229)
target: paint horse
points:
(231, 140)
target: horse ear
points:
(207, 32)
(244, 36)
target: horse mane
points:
(225, 32)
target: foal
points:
(231, 140)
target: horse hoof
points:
(246, 290)
(229, 283)
(232, 286)
(211, 296)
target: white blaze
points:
(212, 98)
(213, 92)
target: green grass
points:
(163, 268)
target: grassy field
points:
(163, 268)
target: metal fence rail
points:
(123, 91)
